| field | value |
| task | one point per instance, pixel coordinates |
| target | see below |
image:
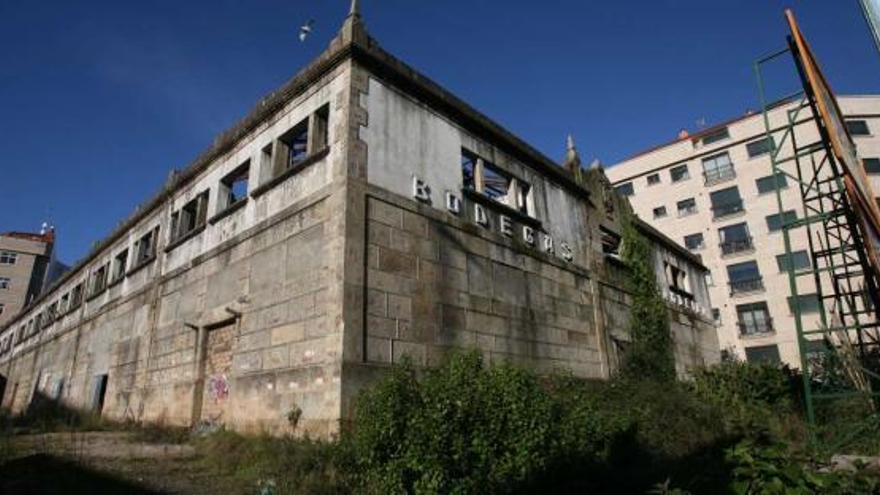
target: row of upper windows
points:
(725, 201)
(288, 153)
(719, 167)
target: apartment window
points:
(726, 202)
(483, 177)
(660, 212)
(120, 264)
(145, 247)
(8, 258)
(718, 168)
(687, 207)
(807, 303)
(735, 239)
(716, 315)
(754, 318)
(191, 217)
(768, 184)
(760, 147)
(679, 173)
(653, 179)
(234, 187)
(775, 222)
(858, 128)
(715, 136)
(694, 241)
(800, 260)
(763, 354)
(76, 297)
(744, 277)
(625, 189)
(5, 283)
(872, 165)
(304, 140)
(99, 280)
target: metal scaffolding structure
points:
(840, 343)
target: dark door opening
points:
(98, 394)
(2, 389)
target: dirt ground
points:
(106, 462)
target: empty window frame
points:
(5, 283)
(775, 222)
(686, 207)
(234, 187)
(120, 265)
(76, 296)
(694, 241)
(625, 189)
(735, 238)
(872, 165)
(715, 136)
(726, 202)
(677, 279)
(145, 248)
(99, 280)
(769, 183)
(760, 147)
(301, 142)
(766, 354)
(858, 128)
(679, 173)
(8, 258)
(660, 212)
(189, 218)
(754, 318)
(481, 176)
(718, 168)
(610, 242)
(807, 303)
(50, 314)
(653, 179)
(744, 277)
(64, 304)
(800, 260)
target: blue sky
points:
(100, 100)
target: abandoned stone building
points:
(358, 215)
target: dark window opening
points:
(625, 189)
(858, 128)
(726, 202)
(800, 260)
(653, 179)
(660, 212)
(145, 247)
(687, 207)
(766, 354)
(769, 183)
(744, 277)
(610, 242)
(775, 222)
(807, 303)
(694, 241)
(735, 239)
(120, 265)
(715, 136)
(189, 218)
(98, 393)
(760, 147)
(872, 165)
(679, 173)
(99, 280)
(480, 176)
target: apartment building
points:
(359, 215)
(25, 260)
(714, 192)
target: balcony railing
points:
(727, 209)
(737, 246)
(744, 286)
(756, 327)
(719, 175)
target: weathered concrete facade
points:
(360, 240)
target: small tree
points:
(650, 353)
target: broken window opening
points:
(190, 217)
(99, 280)
(145, 247)
(120, 265)
(234, 187)
(481, 176)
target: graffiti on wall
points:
(218, 388)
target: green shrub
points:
(467, 428)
